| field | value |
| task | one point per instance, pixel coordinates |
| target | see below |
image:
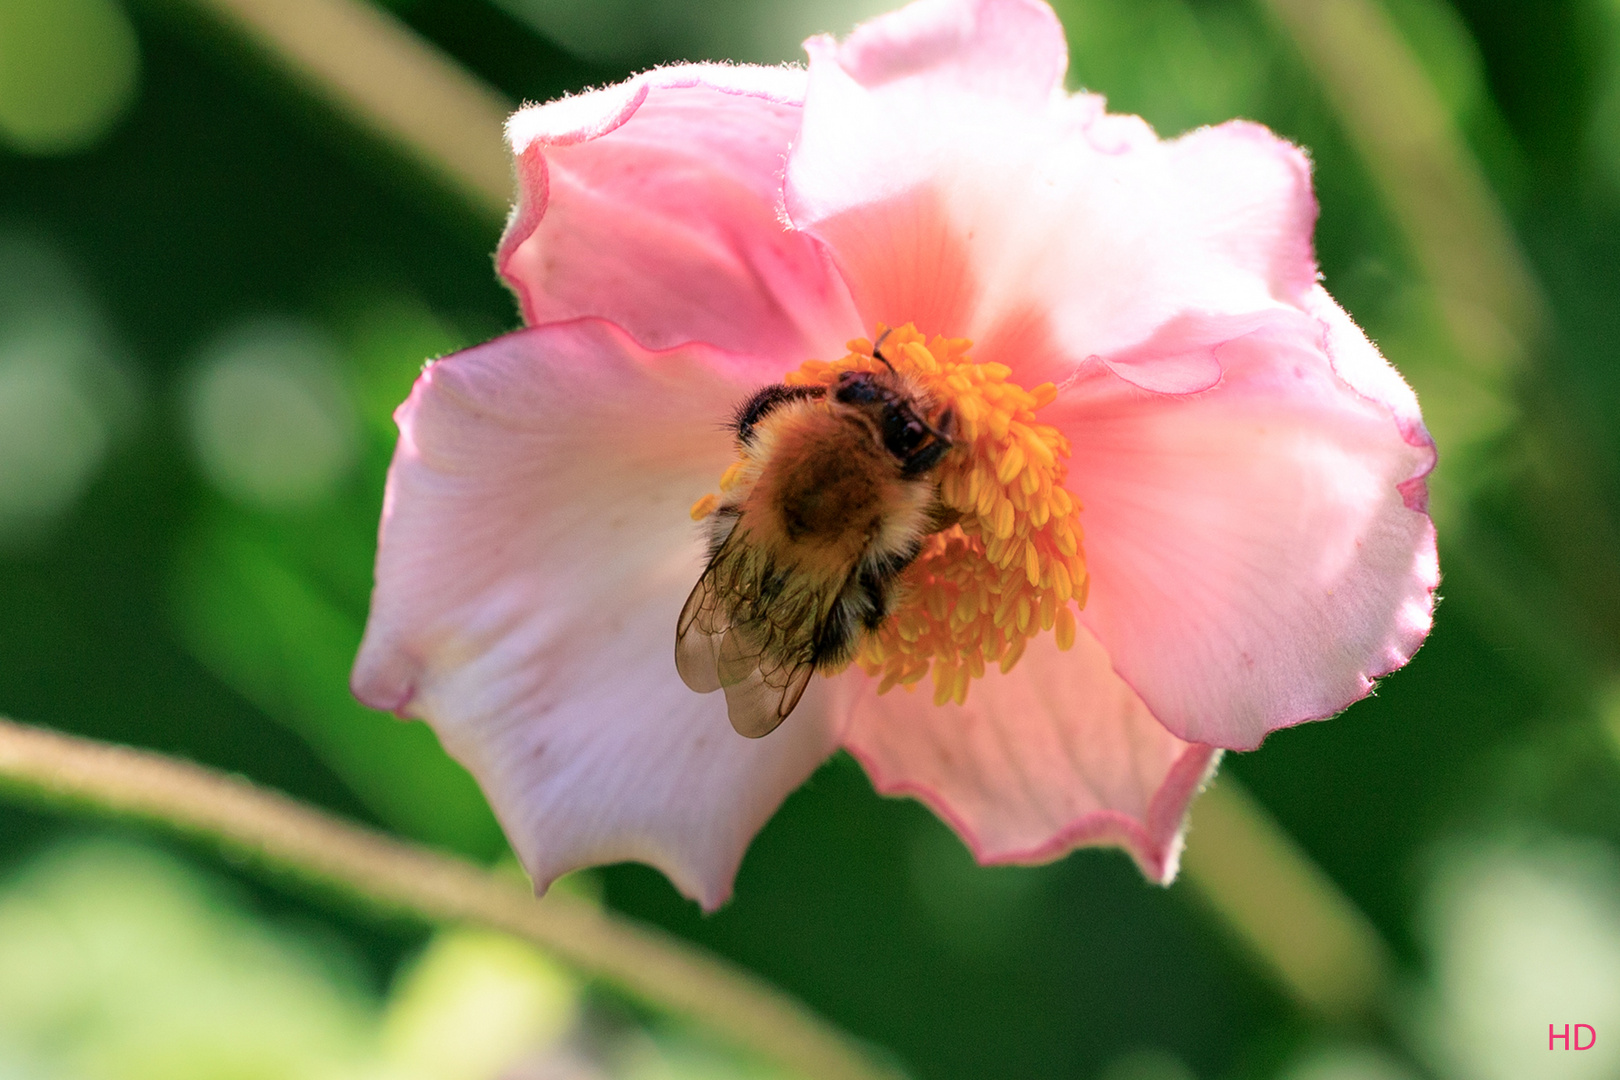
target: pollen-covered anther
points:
(704, 507)
(1012, 566)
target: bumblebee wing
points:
(702, 626)
(761, 690)
(762, 675)
(710, 654)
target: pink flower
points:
(1249, 471)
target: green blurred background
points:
(214, 288)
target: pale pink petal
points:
(1011, 49)
(1259, 552)
(1033, 223)
(655, 204)
(1358, 362)
(1057, 754)
(536, 549)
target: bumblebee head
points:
(915, 443)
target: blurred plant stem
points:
(1427, 176)
(1291, 915)
(378, 72)
(277, 831)
(1456, 229)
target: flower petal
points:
(1258, 553)
(536, 549)
(1012, 49)
(655, 204)
(1057, 754)
(1034, 223)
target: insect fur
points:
(835, 498)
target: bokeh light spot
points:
(1346, 1063)
(1523, 935)
(472, 1004)
(271, 421)
(1146, 1065)
(68, 71)
(63, 393)
(51, 435)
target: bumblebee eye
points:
(902, 431)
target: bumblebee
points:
(834, 498)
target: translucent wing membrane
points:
(761, 689)
(750, 630)
(698, 634)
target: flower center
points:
(1012, 565)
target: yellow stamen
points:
(1012, 566)
(733, 473)
(704, 507)
(1065, 629)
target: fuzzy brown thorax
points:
(824, 487)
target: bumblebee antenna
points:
(877, 350)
